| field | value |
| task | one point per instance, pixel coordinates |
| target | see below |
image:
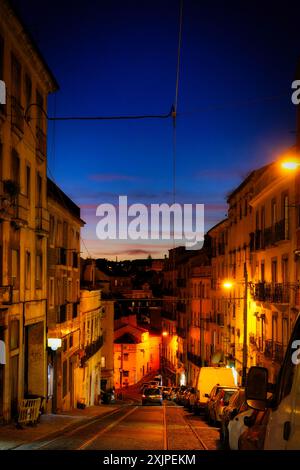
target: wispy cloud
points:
(109, 177)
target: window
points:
(28, 90)
(27, 270)
(103, 361)
(262, 271)
(39, 107)
(15, 167)
(14, 334)
(286, 216)
(125, 356)
(2, 106)
(16, 78)
(51, 230)
(15, 267)
(51, 292)
(125, 373)
(285, 269)
(273, 213)
(70, 290)
(75, 260)
(39, 188)
(274, 271)
(1, 57)
(71, 341)
(39, 270)
(28, 176)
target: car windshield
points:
(228, 394)
(152, 391)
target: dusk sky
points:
(238, 60)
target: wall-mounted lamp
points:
(54, 343)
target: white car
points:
(236, 427)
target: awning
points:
(2, 352)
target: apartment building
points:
(255, 270)
(63, 320)
(23, 213)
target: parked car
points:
(236, 427)
(222, 400)
(143, 386)
(186, 399)
(180, 395)
(208, 378)
(283, 421)
(152, 396)
(235, 406)
(192, 397)
(173, 393)
(211, 397)
(165, 392)
(253, 437)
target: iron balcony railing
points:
(194, 358)
(261, 239)
(274, 350)
(272, 292)
(92, 348)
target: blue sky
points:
(238, 60)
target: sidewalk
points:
(50, 425)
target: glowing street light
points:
(227, 285)
(165, 333)
(290, 165)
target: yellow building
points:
(260, 263)
(136, 353)
(88, 376)
(63, 320)
(24, 216)
(107, 351)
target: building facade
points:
(63, 320)
(24, 215)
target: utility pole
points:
(245, 318)
(201, 327)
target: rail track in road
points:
(130, 426)
(66, 439)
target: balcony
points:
(91, 349)
(274, 351)
(274, 293)
(41, 144)
(17, 115)
(268, 348)
(194, 358)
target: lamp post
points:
(245, 318)
(228, 285)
